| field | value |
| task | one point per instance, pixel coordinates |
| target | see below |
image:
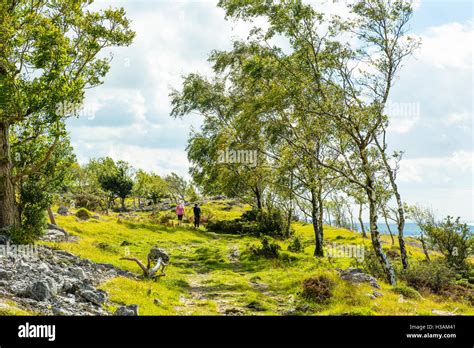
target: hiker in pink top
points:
(180, 212)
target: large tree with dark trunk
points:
(48, 57)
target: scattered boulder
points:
(377, 294)
(5, 275)
(63, 210)
(39, 291)
(128, 310)
(357, 275)
(97, 297)
(56, 282)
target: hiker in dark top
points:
(197, 215)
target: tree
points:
(48, 57)
(118, 181)
(37, 187)
(177, 187)
(453, 239)
(425, 220)
(149, 186)
(350, 82)
(227, 153)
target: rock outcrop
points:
(357, 275)
(55, 282)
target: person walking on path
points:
(197, 215)
(180, 213)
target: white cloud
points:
(436, 170)
(448, 46)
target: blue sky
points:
(128, 117)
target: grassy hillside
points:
(212, 274)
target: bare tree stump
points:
(157, 260)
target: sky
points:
(431, 106)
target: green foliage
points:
(88, 201)
(166, 217)
(406, 291)
(150, 186)
(117, 180)
(453, 239)
(43, 168)
(261, 222)
(435, 276)
(296, 245)
(371, 265)
(177, 187)
(268, 248)
(83, 214)
(318, 289)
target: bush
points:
(166, 217)
(268, 249)
(34, 201)
(88, 201)
(434, 276)
(83, 214)
(296, 245)
(253, 222)
(228, 226)
(407, 292)
(371, 265)
(318, 289)
(453, 239)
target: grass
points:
(10, 308)
(206, 277)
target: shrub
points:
(253, 222)
(407, 292)
(106, 247)
(166, 217)
(88, 201)
(318, 289)
(268, 249)
(83, 214)
(227, 226)
(434, 276)
(296, 245)
(453, 239)
(371, 265)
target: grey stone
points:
(63, 210)
(129, 310)
(5, 274)
(97, 297)
(377, 294)
(39, 291)
(78, 273)
(357, 275)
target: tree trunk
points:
(401, 226)
(401, 212)
(375, 236)
(425, 249)
(51, 216)
(321, 219)
(8, 207)
(122, 201)
(374, 232)
(388, 226)
(258, 196)
(362, 227)
(318, 251)
(329, 216)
